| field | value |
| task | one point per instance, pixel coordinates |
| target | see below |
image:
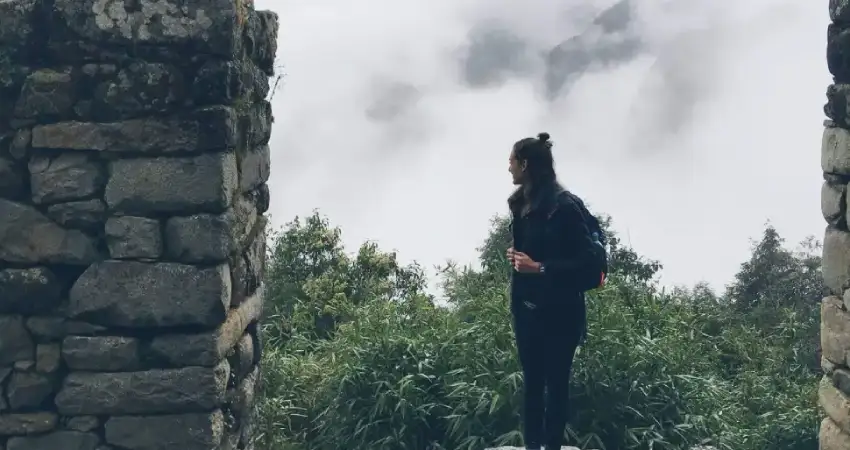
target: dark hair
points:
(542, 181)
(537, 153)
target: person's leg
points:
(562, 341)
(529, 341)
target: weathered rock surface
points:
(136, 294)
(204, 183)
(47, 92)
(208, 238)
(69, 176)
(200, 431)
(213, 128)
(16, 344)
(101, 353)
(86, 215)
(835, 404)
(192, 389)
(65, 440)
(27, 423)
(29, 291)
(29, 237)
(134, 238)
(835, 331)
(831, 437)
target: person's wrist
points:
(541, 268)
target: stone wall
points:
(133, 163)
(834, 389)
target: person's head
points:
(531, 162)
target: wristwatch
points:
(542, 268)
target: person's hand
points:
(523, 264)
(510, 255)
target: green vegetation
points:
(358, 356)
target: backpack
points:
(594, 275)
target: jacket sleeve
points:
(577, 251)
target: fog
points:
(690, 122)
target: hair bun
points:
(544, 137)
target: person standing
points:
(555, 257)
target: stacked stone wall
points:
(133, 166)
(834, 388)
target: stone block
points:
(839, 11)
(831, 437)
(833, 204)
(29, 291)
(101, 353)
(225, 82)
(837, 102)
(68, 176)
(47, 93)
(20, 145)
(261, 30)
(841, 380)
(29, 237)
(131, 237)
(53, 329)
(836, 260)
(140, 295)
(835, 404)
(65, 440)
(12, 185)
(16, 344)
(241, 399)
(204, 26)
(835, 150)
(18, 23)
(29, 423)
(28, 390)
(838, 52)
(47, 358)
(834, 331)
(208, 129)
(208, 238)
(254, 168)
(82, 423)
(160, 391)
(255, 123)
(243, 356)
(203, 184)
(208, 349)
(199, 431)
(141, 87)
(247, 270)
(86, 215)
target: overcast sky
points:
(690, 122)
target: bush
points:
(659, 370)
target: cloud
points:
(690, 121)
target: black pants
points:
(546, 341)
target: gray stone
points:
(17, 20)
(134, 237)
(243, 358)
(29, 237)
(254, 168)
(101, 354)
(206, 26)
(64, 440)
(47, 92)
(208, 349)
(11, 182)
(169, 432)
(248, 269)
(256, 124)
(23, 424)
(834, 331)
(241, 399)
(82, 423)
(213, 128)
(839, 10)
(208, 238)
(137, 294)
(46, 328)
(835, 151)
(87, 215)
(841, 380)
(835, 404)
(47, 358)
(16, 344)
(20, 145)
(262, 198)
(204, 183)
(24, 365)
(28, 390)
(141, 87)
(192, 389)
(29, 291)
(831, 437)
(69, 176)
(836, 260)
(833, 204)
(261, 29)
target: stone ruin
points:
(133, 166)
(834, 389)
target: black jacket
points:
(551, 229)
